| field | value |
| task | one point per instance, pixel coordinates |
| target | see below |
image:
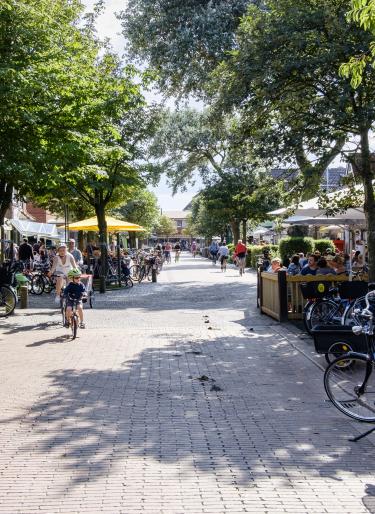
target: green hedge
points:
(323, 244)
(289, 246)
(253, 252)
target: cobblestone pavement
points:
(178, 398)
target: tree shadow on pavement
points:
(15, 328)
(267, 417)
(53, 340)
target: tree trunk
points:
(236, 231)
(369, 206)
(102, 225)
(80, 243)
(244, 231)
(132, 239)
(6, 195)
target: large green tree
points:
(141, 208)
(207, 219)
(190, 143)
(165, 227)
(43, 54)
(363, 13)
(290, 55)
(182, 41)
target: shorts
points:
(70, 303)
(241, 255)
(223, 258)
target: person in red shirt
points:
(241, 252)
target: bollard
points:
(154, 274)
(24, 297)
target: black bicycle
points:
(73, 322)
(8, 294)
(349, 380)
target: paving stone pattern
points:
(178, 398)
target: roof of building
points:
(177, 215)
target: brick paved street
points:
(119, 422)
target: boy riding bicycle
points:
(74, 292)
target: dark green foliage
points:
(322, 244)
(182, 41)
(254, 251)
(289, 246)
(298, 231)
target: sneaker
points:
(82, 325)
(57, 300)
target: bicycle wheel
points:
(37, 284)
(142, 274)
(306, 315)
(350, 318)
(351, 388)
(8, 301)
(335, 351)
(128, 283)
(134, 271)
(48, 284)
(74, 325)
(323, 313)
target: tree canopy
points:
(182, 41)
(142, 208)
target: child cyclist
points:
(75, 290)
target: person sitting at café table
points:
(323, 267)
(360, 265)
(302, 259)
(311, 266)
(275, 266)
(338, 265)
(294, 267)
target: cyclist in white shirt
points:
(62, 263)
(223, 256)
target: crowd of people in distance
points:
(327, 263)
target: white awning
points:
(32, 228)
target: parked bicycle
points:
(332, 305)
(73, 322)
(8, 294)
(349, 380)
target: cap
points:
(329, 258)
(61, 245)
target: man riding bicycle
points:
(193, 248)
(241, 252)
(167, 252)
(177, 251)
(214, 249)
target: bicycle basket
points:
(317, 289)
(327, 337)
(353, 289)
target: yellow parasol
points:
(113, 225)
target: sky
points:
(108, 26)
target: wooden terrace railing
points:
(279, 294)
